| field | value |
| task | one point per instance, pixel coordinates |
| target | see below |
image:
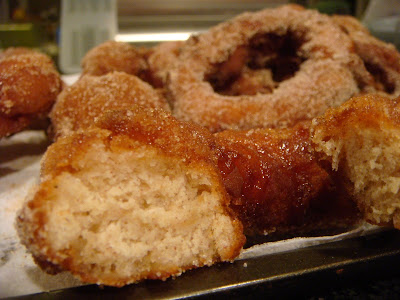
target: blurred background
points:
(67, 29)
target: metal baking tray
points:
(306, 270)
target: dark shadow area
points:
(6, 171)
(19, 149)
(259, 67)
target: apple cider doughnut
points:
(29, 85)
(302, 61)
(381, 59)
(361, 140)
(139, 198)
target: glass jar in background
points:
(83, 25)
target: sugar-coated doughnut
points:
(361, 140)
(138, 198)
(312, 61)
(29, 85)
(114, 56)
(161, 59)
(381, 59)
(79, 105)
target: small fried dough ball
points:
(29, 85)
(114, 56)
(80, 104)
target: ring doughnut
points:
(381, 59)
(311, 59)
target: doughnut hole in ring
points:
(271, 68)
(258, 67)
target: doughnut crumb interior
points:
(361, 140)
(113, 209)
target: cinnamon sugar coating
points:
(79, 105)
(149, 64)
(29, 85)
(297, 179)
(128, 192)
(161, 59)
(115, 56)
(381, 59)
(11, 51)
(139, 198)
(313, 66)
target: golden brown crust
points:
(114, 56)
(149, 126)
(381, 59)
(29, 85)
(272, 179)
(303, 40)
(158, 128)
(184, 148)
(79, 105)
(9, 126)
(277, 184)
(366, 111)
(149, 64)
(361, 141)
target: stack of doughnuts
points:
(243, 130)
(267, 69)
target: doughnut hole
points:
(259, 67)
